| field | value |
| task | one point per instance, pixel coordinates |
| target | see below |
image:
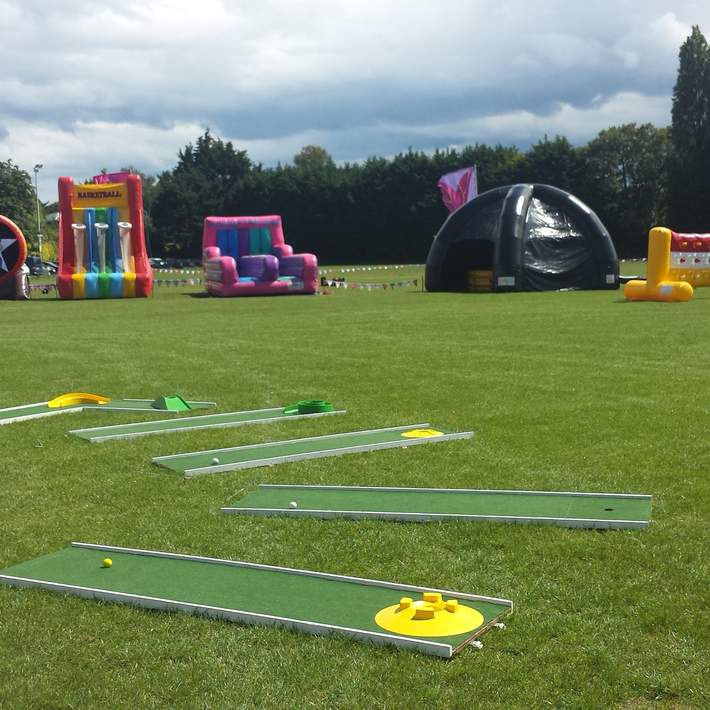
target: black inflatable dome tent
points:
(526, 237)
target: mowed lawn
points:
(576, 391)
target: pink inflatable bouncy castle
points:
(247, 256)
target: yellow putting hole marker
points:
(431, 616)
(422, 433)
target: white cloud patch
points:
(86, 85)
(89, 146)
(575, 123)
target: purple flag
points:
(458, 188)
(110, 177)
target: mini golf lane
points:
(9, 415)
(586, 510)
(313, 602)
(209, 421)
(42, 409)
(143, 405)
(231, 459)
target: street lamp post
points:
(36, 169)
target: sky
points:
(86, 85)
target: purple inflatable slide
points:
(247, 256)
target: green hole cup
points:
(309, 406)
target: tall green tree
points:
(624, 181)
(689, 184)
(313, 158)
(208, 180)
(554, 162)
(18, 199)
(149, 183)
(498, 165)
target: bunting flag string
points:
(338, 283)
(176, 271)
(47, 288)
(177, 282)
(380, 267)
(352, 285)
(322, 270)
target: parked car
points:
(188, 263)
(38, 267)
(35, 265)
(170, 262)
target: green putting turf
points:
(9, 415)
(561, 508)
(209, 421)
(347, 602)
(32, 411)
(238, 457)
(141, 405)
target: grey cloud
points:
(332, 70)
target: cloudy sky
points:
(86, 85)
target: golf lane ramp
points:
(271, 453)
(313, 602)
(577, 510)
(9, 415)
(209, 421)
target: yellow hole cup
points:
(430, 616)
(422, 433)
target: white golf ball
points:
(293, 504)
(215, 460)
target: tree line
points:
(387, 210)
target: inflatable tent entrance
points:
(526, 237)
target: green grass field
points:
(565, 391)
